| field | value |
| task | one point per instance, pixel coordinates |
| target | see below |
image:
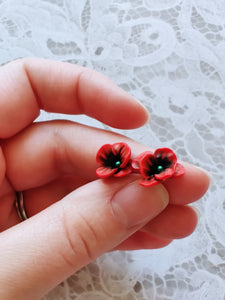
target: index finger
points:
(28, 85)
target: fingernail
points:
(135, 204)
(147, 113)
(148, 116)
(148, 120)
(197, 212)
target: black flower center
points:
(159, 165)
(113, 161)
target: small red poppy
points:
(114, 160)
(157, 166)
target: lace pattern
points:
(170, 54)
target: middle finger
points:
(46, 151)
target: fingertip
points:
(190, 187)
(208, 178)
(145, 116)
(125, 111)
(143, 240)
(175, 222)
(121, 109)
(199, 180)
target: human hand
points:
(52, 161)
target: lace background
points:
(170, 54)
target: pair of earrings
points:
(154, 167)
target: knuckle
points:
(81, 241)
(60, 149)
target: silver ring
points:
(20, 208)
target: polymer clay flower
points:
(158, 166)
(114, 160)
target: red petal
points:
(104, 172)
(124, 150)
(123, 172)
(147, 160)
(135, 162)
(166, 153)
(169, 172)
(151, 182)
(180, 170)
(103, 153)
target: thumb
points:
(44, 250)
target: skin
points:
(51, 163)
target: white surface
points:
(170, 54)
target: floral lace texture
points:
(170, 54)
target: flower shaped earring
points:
(157, 166)
(115, 160)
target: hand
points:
(52, 161)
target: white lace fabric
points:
(170, 54)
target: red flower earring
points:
(114, 160)
(158, 166)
